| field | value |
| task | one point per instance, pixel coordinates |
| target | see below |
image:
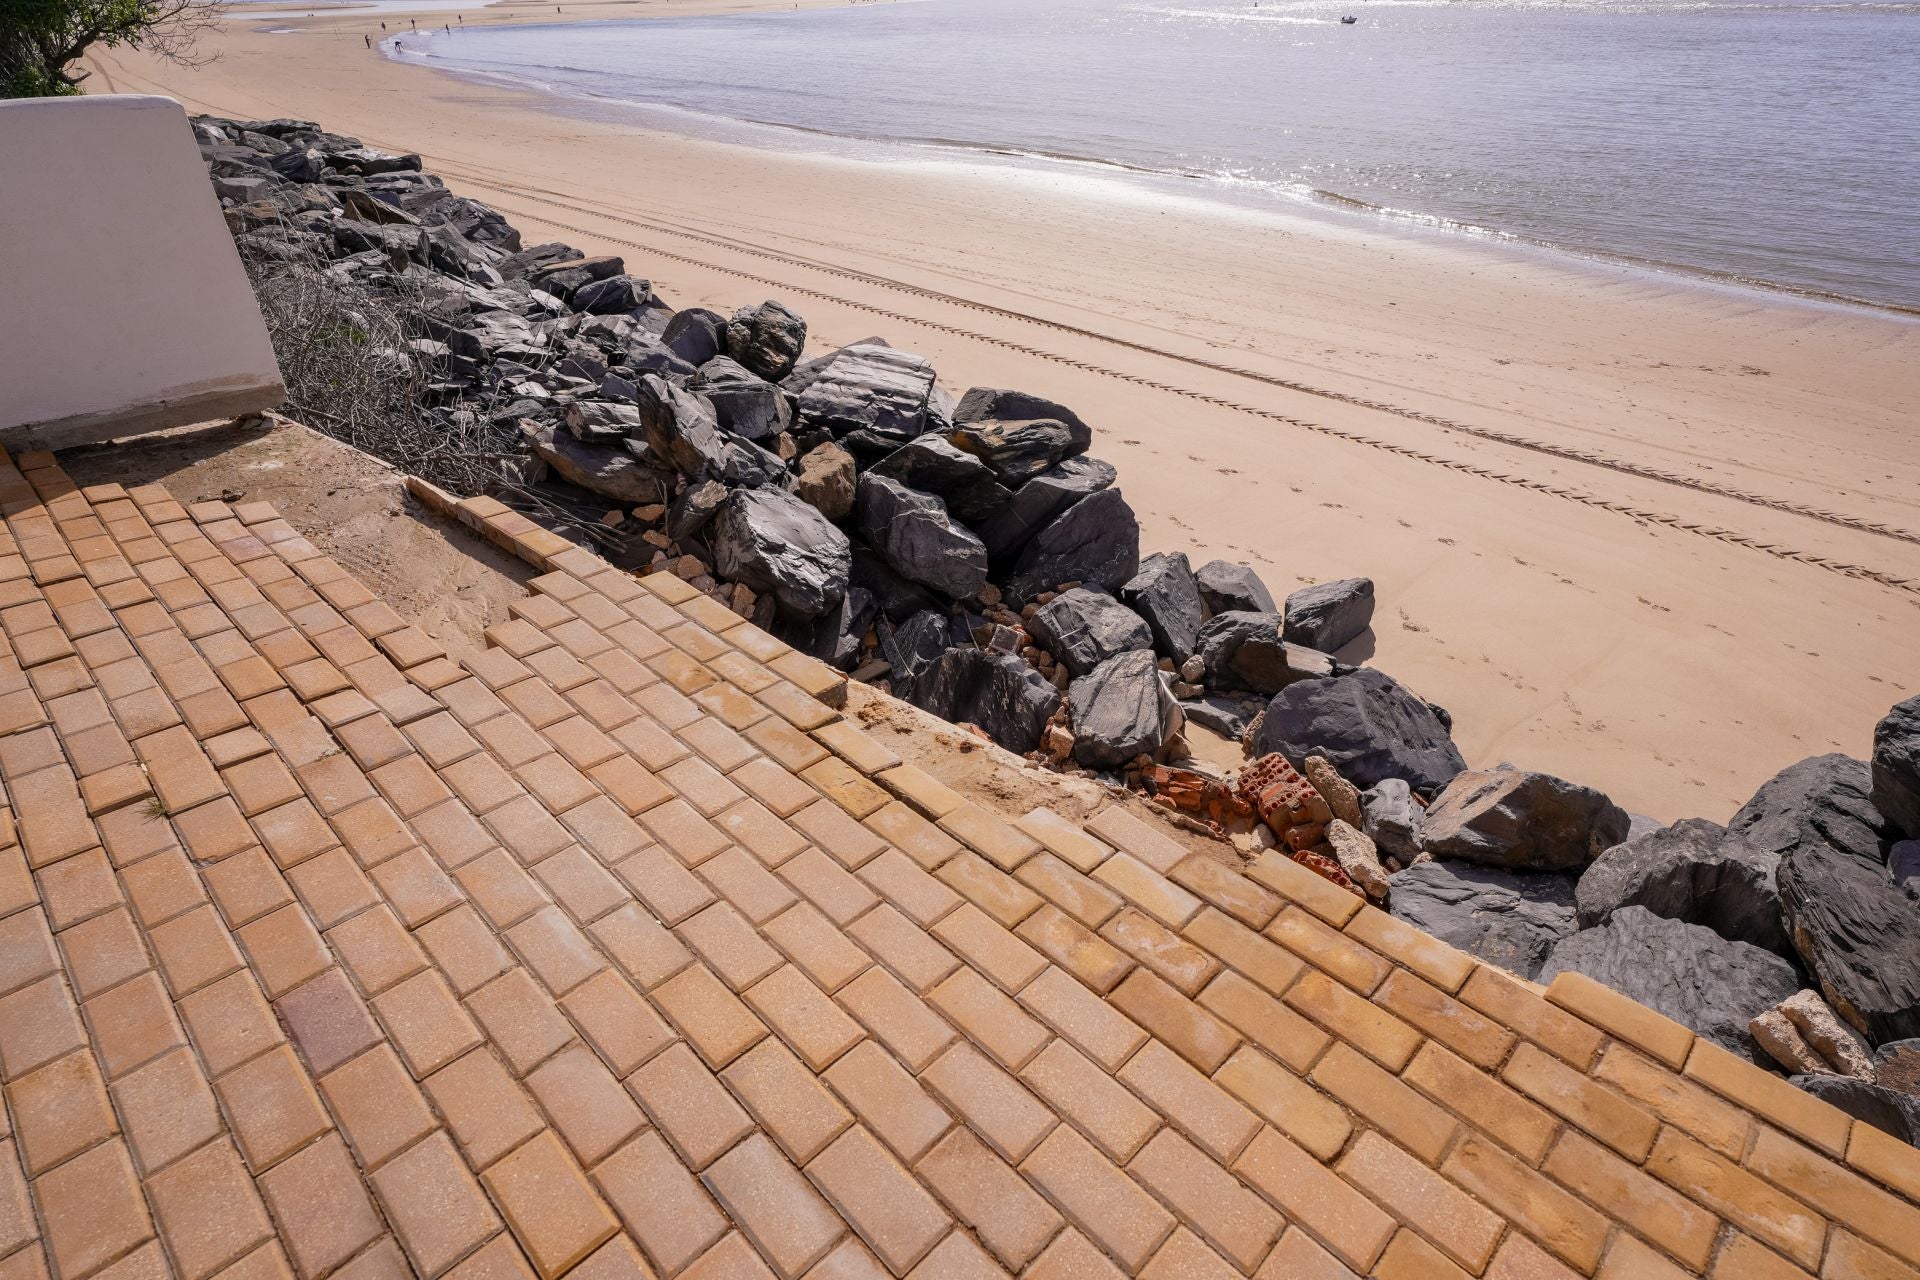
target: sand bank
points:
(1653, 534)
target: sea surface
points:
(1776, 143)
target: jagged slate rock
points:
(1512, 919)
(681, 428)
(1391, 818)
(613, 296)
(1232, 588)
(364, 206)
(368, 161)
(808, 372)
(696, 335)
(1686, 971)
(1040, 500)
(646, 353)
(1367, 725)
(696, 504)
(615, 387)
(515, 266)
(1896, 767)
(1096, 541)
(834, 636)
(1121, 709)
(600, 422)
(914, 534)
(1903, 863)
(766, 339)
(1084, 628)
(874, 390)
(299, 164)
(896, 597)
(1227, 714)
(1852, 926)
(1328, 615)
(1520, 820)
(602, 469)
(1691, 871)
(825, 480)
(1638, 824)
(996, 691)
(1015, 451)
(773, 542)
(747, 405)
(932, 465)
(356, 236)
(918, 642)
(562, 279)
(747, 464)
(1888, 1110)
(1165, 594)
(982, 404)
(1245, 651)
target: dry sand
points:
(1653, 534)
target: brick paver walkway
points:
(614, 951)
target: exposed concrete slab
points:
(127, 308)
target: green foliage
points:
(42, 41)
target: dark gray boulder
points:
(1896, 767)
(601, 421)
(1227, 714)
(1691, 871)
(1367, 725)
(1328, 615)
(564, 278)
(1888, 1110)
(1084, 628)
(766, 339)
(878, 392)
(1245, 651)
(1521, 820)
(915, 536)
(1857, 932)
(681, 428)
(1121, 709)
(745, 404)
(893, 595)
(931, 464)
(1014, 451)
(1391, 818)
(745, 463)
(1512, 919)
(774, 542)
(1232, 588)
(695, 506)
(603, 469)
(1096, 541)
(614, 296)
(1903, 863)
(1004, 696)
(917, 644)
(1165, 594)
(982, 404)
(1038, 501)
(1690, 973)
(696, 335)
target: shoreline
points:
(1507, 442)
(1298, 199)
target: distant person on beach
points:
(369, 40)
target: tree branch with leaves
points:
(42, 41)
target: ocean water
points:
(1777, 143)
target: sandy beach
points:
(1654, 534)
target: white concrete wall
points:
(123, 306)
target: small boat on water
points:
(1348, 21)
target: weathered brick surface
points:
(612, 949)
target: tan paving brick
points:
(1385, 1103)
(1431, 1205)
(659, 1202)
(812, 941)
(1082, 1093)
(1846, 1198)
(1160, 949)
(1768, 1096)
(784, 1216)
(1341, 1218)
(1378, 1034)
(209, 1212)
(380, 1109)
(554, 1211)
(1560, 1222)
(1517, 1009)
(711, 1017)
(787, 1099)
(488, 1113)
(436, 1208)
(896, 1217)
(1194, 1033)
(327, 1021)
(1737, 1196)
(92, 1209)
(427, 1024)
(1676, 1100)
(816, 1028)
(272, 1107)
(59, 1110)
(1601, 1112)
(896, 1017)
